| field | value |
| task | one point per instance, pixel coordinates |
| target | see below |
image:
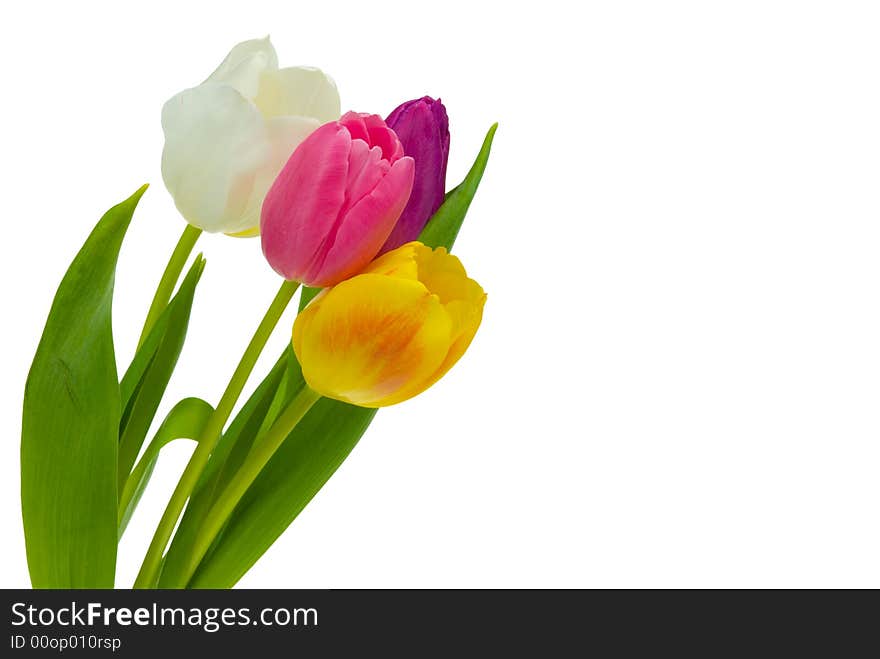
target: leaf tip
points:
(490, 135)
(199, 264)
(140, 192)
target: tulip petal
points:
(372, 339)
(462, 297)
(400, 262)
(244, 66)
(366, 227)
(215, 141)
(294, 225)
(356, 125)
(423, 129)
(386, 139)
(372, 129)
(466, 318)
(365, 169)
(298, 91)
(443, 275)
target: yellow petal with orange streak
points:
(372, 340)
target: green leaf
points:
(307, 295)
(70, 422)
(306, 460)
(443, 227)
(321, 441)
(225, 460)
(134, 374)
(144, 399)
(291, 383)
(184, 421)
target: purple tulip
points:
(423, 129)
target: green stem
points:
(149, 573)
(219, 513)
(169, 278)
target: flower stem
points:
(149, 573)
(219, 513)
(169, 278)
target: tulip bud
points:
(391, 332)
(423, 129)
(227, 139)
(336, 201)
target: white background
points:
(678, 375)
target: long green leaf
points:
(146, 396)
(306, 460)
(134, 374)
(321, 441)
(70, 422)
(184, 421)
(225, 459)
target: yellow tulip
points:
(392, 331)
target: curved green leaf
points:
(321, 441)
(184, 421)
(70, 422)
(306, 460)
(144, 399)
(224, 461)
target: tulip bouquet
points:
(351, 208)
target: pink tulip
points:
(336, 201)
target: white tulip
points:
(227, 139)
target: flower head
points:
(391, 332)
(336, 201)
(227, 138)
